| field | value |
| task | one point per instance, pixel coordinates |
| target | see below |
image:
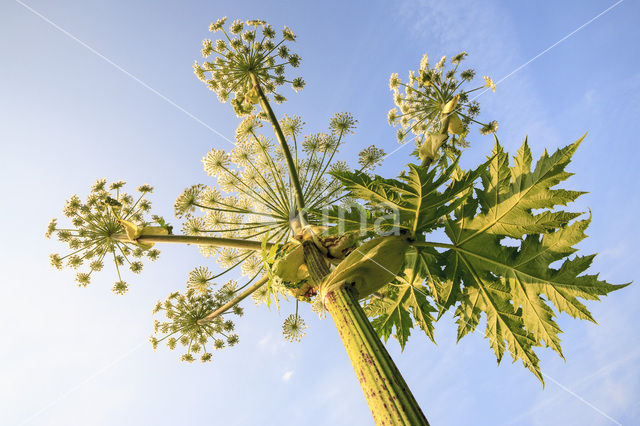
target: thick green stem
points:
(315, 261)
(191, 239)
(293, 173)
(388, 396)
(235, 301)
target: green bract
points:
(405, 302)
(289, 261)
(369, 266)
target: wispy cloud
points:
(265, 340)
(620, 396)
(287, 376)
(271, 344)
(121, 69)
(491, 41)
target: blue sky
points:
(79, 356)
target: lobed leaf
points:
(403, 303)
(512, 285)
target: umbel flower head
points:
(253, 198)
(293, 328)
(95, 234)
(434, 101)
(248, 52)
(371, 156)
(183, 322)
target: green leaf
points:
(378, 190)
(512, 285)
(404, 302)
(510, 194)
(427, 203)
(443, 292)
(356, 218)
(417, 196)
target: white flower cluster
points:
(434, 101)
(254, 198)
(247, 54)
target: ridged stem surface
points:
(389, 398)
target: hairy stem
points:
(389, 398)
(316, 263)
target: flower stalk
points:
(293, 173)
(198, 240)
(234, 302)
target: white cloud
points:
(264, 340)
(286, 376)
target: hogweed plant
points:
(301, 226)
